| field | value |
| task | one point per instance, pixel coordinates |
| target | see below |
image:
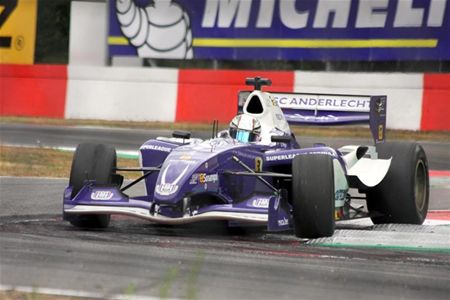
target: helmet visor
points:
(243, 136)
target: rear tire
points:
(313, 195)
(403, 195)
(91, 162)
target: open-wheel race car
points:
(255, 172)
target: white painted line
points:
(368, 222)
(127, 153)
(68, 149)
(436, 222)
(75, 293)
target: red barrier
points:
(33, 90)
(436, 102)
(206, 95)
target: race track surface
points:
(207, 261)
(135, 259)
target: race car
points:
(255, 172)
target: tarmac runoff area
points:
(132, 259)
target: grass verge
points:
(105, 123)
(15, 295)
(40, 162)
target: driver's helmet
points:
(245, 128)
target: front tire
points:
(403, 195)
(91, 162)
(313, 195)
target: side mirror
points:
(280, 139)
(185, 135)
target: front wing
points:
(93, 199)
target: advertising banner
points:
(17, 31)
(370, 30)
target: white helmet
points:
(245, 128)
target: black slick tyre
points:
(403, 195)
(91, 162)
(313, 195)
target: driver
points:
(245, 128)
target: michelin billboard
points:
(281, 29)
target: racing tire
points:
(403, 195)
(91, 162)
(313, 195)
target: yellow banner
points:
(17, 31)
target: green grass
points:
(168, 281)
(192, 280)
(41, 162)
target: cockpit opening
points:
(255, 106)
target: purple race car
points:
(256, 173)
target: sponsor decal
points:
(156, 147)
(203, 178)
(194, 179)
(380, 131)
(320, 152)
(283, 222)
(158, 29)
(311, 102)
(181, 161)
(185, 157)
(272, 99)
(166, 189)
(285, 29)
(290, 156)
(339, 195)
(300, 117)
(260, 203)
(281, 157)
(380, 106)
(258, 164)
(102, 195)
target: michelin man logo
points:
(160, 30)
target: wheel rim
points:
(420, 189)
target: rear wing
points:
(330, 109)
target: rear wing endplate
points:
(330, 109)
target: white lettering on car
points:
(323, 102)
(166, 189)
(156, 147)
(102, 195)
(283, 222)
(260, 203)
